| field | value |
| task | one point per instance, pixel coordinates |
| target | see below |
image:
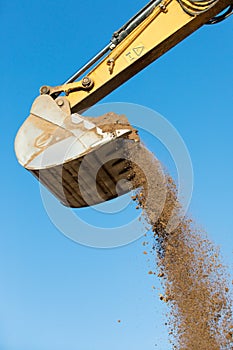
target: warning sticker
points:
(135, 52)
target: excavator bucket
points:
(83, 161)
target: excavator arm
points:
(157, 28)
(83, 160)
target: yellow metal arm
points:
(168, 24)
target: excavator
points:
(82, 160)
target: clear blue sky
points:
(56, 294)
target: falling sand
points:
(194, 280)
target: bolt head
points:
(44, 90)
(60, 102)
(86, 81)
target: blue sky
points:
(55, 293)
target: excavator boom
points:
(154, 31)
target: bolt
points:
(44, 90)
(163, 7)
(86, 82)
(60, 102)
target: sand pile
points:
(194, 280)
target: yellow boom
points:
(168, 24)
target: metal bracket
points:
(163, 7)
(85, 84)
(111, 64)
